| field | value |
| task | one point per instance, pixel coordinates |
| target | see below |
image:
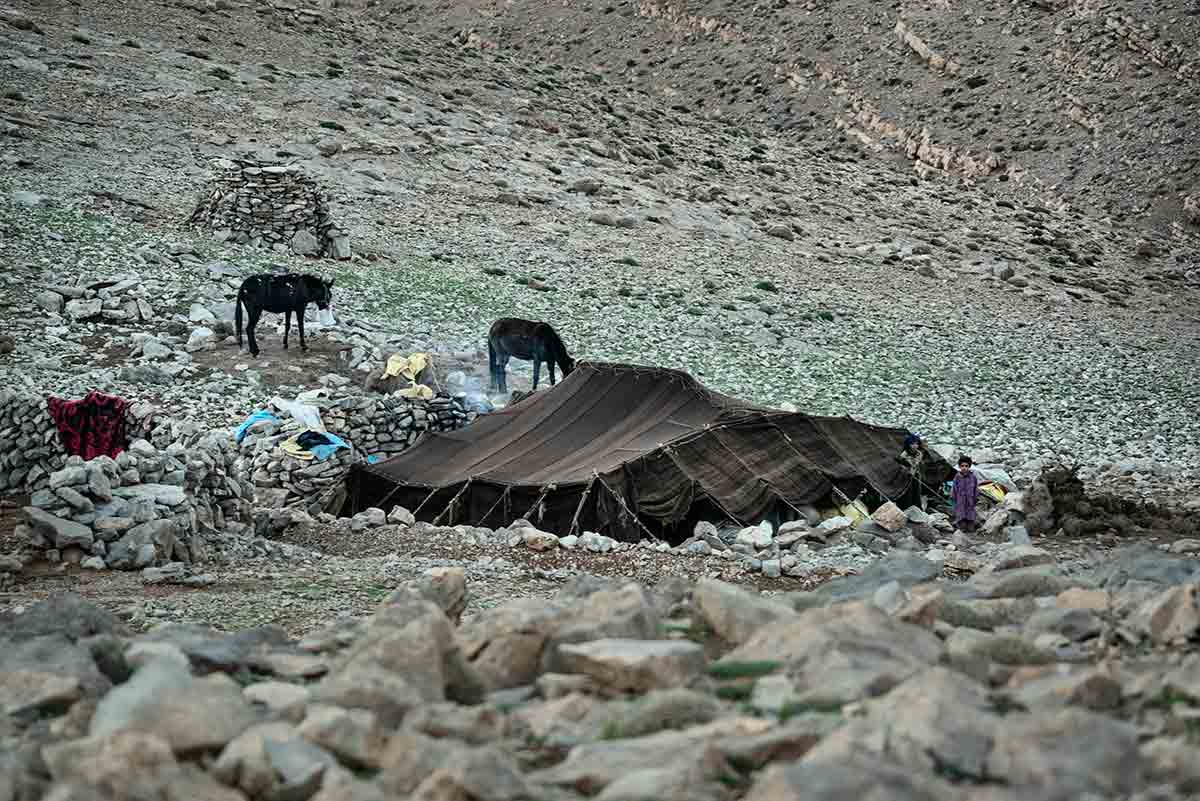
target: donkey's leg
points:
(537, 369)
(502, 372)
(300, 325)
(255, 314)
(287, 325)
(550, 367)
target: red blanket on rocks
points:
(92, 426)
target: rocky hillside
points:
(1079, 103)
(475, 182)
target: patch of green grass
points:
(697, 632)
(735, 692)
(378, 592)
(1191, 731)
(612, 730)
(743, 670)
(1166, 698)
(794, 708)
(1003, 705)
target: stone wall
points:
(273, 206)
(372, 426)
(30, 447)
(154, 503)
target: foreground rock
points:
(1017, 687)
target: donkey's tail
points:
(237, 314)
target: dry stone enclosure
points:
(272, 206)
(373, 427)
(155, 502)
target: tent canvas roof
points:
(613, 447)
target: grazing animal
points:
(527, 340)
(282, 294)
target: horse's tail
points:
(237, 312)
(492, 362)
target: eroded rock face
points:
(596, 692)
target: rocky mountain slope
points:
(1082, 104)
(479, 181)
(556, 162)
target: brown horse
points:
(529, 341)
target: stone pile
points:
(371, 426)
(1021, 683)
(273, 206)
(30, 447)
(149, 505)
(804, 548)
(1191, 208)
(116, 299)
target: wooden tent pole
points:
(501, 499)
(583, 499)
(541, 496)
(421, 506)
(629, 512)
(454, 500)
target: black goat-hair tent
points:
(626, 450)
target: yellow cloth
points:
(416, 391)
(856, 511)
(408, 366)
(292, 448)
(993, 491)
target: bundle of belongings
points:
(92, 426)
(258, 417)
(406, 376)
(308, 445)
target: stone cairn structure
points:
(30, 448)
(153, 504)
(273, 206)
(372, 426)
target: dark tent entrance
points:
(631, 451)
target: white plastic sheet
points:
(307, 416)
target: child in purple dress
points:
(966, 488)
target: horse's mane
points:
(547, 330)
(556, 342)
